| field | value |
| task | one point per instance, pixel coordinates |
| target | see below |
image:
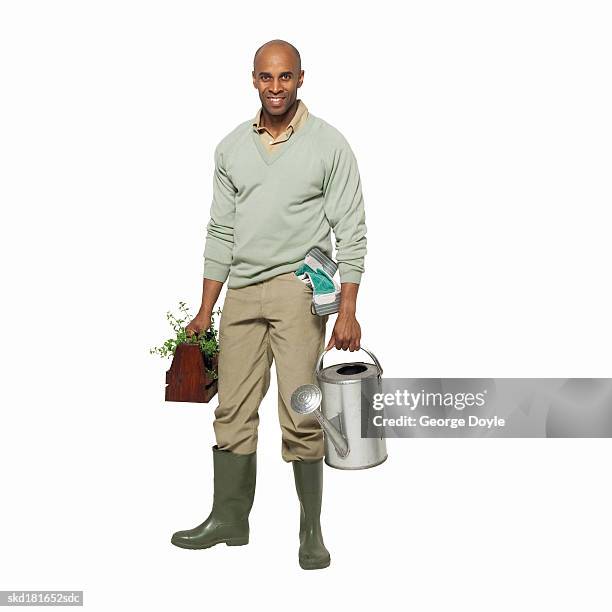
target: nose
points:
(276, 87)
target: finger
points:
(331, 342)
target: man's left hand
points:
(346, 334)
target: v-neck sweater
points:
(270, 208)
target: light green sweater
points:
(270, 209)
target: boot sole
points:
(318, 565)
(228, 542)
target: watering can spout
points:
(306, 399)
(337, 439)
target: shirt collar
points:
(298, 118)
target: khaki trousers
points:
(261, 323)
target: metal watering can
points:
(341, 392)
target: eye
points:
(286, 76)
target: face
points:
(277, 79)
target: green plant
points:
(207, 340)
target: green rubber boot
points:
(309, 485)
(234, 490)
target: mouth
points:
(276, 100)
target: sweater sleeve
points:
(345, 212)
(220, 228)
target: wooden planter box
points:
(187, 379)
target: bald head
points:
(277, 46)
(277, 75)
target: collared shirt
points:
(271, 143)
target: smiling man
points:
(283, 182)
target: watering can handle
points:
(363, 348)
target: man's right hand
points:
(200, 323)
(210, 293)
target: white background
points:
(482, 132)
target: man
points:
(282, 181)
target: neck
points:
(278, 122)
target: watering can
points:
(345, 392)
